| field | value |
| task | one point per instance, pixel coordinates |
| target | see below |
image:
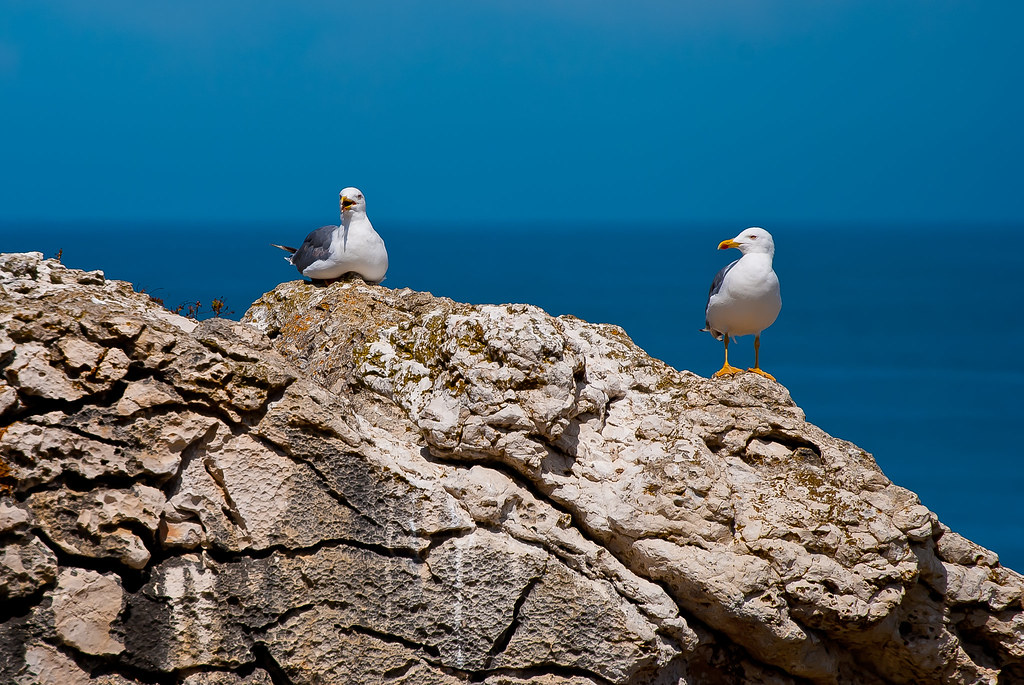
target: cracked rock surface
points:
(361, 485)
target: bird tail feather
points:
(290, 250)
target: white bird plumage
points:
(330, 252)
(744, 298)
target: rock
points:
(257, 677)
(957, 549)
(306, 647)
(25, 567)
(374, 486)
(789, 541)
(34, 374)
(12, 516)
(45, 665)
(102, 523)
(575, 636)
(85, 603)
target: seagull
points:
(330, 252)
(744, 298)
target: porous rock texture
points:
(364, 485)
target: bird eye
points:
(752, 237)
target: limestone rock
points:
(85, 603)
(790, 542)
(102, 523)
(257, 677)
(318, 641)
(360, 485)
(25, 566)
(46, 665)
(13, 517)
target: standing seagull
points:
(744, 297)
(330, 252)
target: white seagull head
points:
(751, 240)
(352, 201)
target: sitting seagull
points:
(330, 252)
(744, 297)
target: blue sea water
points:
(906, 340)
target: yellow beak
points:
(726, 244)
(346, 203)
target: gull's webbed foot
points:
(726, 370)
(759, 372)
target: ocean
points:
(906, 340)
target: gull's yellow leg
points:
(757, 354)
(726, 370)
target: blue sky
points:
(464, 111)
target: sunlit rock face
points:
(362, 485)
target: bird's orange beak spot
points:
(726, 244)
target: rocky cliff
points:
(362, 485)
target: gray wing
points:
(716, 285)
(317, 245)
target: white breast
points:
(360, 249)
(750, 299)
(354, 248)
